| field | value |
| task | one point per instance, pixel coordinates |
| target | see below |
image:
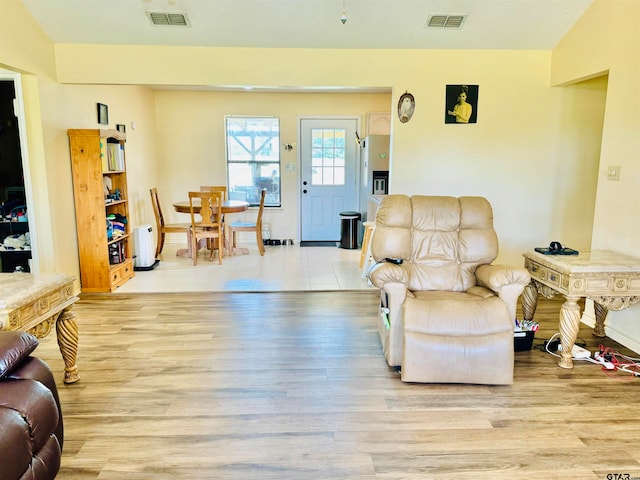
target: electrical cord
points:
(623, 363)
(551, 341)
(603, 357)
(548, 342)
(553, 344)
(372, 267)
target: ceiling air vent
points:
(445, 21)
(168, 19)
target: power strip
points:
(577, 351)
(605, 363)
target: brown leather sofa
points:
(31, 429)
(447, 313)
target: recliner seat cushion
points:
(455, 314)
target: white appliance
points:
(143, 248)
(374, 169)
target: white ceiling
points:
(490, 24)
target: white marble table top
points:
(17, 289)
(588, 261)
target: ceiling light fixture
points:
(343, 18)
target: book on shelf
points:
(115, 157)
(103, 154)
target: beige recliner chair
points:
(447, 314)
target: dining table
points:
(228, 206)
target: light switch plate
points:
(613, 172)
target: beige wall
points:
(581, 119)
(126, 104)
(604, 41)
(23, 44)
(512, 155)
(63, 107)
(191, 142)
(50, 109)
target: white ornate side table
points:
(610, 279)
(35, 303)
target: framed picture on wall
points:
(103, 114)
(461, 104)
(406, 106)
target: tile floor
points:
(282, 268)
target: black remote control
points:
(395, 261)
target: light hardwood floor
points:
(293, 385)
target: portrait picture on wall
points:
(461, 104)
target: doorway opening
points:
(15, 239)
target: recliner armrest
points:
(495, 277)
(15, 347)
(388, 273)
(508, 282)
(392, 297)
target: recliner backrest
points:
(441, 240)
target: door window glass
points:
(328, 153)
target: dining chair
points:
(209, 226)
(249, 227)
(161, 226)
(215, 188)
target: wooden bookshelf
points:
(100, 269)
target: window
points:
(253, 159)
(328, 153)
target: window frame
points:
(272, 182)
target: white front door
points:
(328, 176)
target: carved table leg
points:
(67, 333)
(601, 314)
(569, 325)
(529, 301)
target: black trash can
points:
(349, 229)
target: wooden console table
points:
(35, 303)
(610, 279)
